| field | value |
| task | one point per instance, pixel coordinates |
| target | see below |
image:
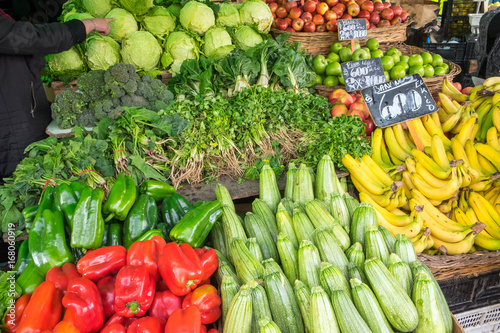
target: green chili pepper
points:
(77, 188)
(142, 217)
(121, 198)
(194, 227)
(47, 241)
(29, 214)
(65, 201)
(30, 278)
(88, 224)
(173, 209)
(150, 234)
(115, 231)
(158, 190)
(23, 258)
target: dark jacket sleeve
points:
(25, 38)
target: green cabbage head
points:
(228, 15)
(137, 7)
(159, 21)
(123, 24)
(246, 37)
(257, 11)
(101, 52)
(142, 50)
(197, 17)
(217, 43)
(97, 8)
(74, 15)
(67, 63)
(179, 46)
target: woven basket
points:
(320, 42)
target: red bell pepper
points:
(13, 316)
(43, 311)
(164, 304)
(146, 253)
(99, 263)
(84, 305)
(207, 300)
(134, 291)
(147, 325)
(213, 330)
(161, 285)
(209, 262)
(65, 327)
(180, 267)
(61, 276)
(185, 321)
(106, 287)
(117, 319)
(114, 328)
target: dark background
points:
(35, 11)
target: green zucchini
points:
(260, 305)
(425, 298)
(303, 297)
(302, 225)
(327, 182)
(331, 279)
(228, 289)
(401, 272)
(290, 174)
(375, 245)
(355, 254)
(348, 317)
(268, 188)
(356, 272)
(233, 228)
(270, 266)
(403, 247)
(322, 316)
(329, 249)
(247, 267)
(308, 263)
(288, 256)
(261, 209)
(285, 225)
(388, 238)
(254, 249)
(302, 186)
(222, 194)
(218, 238)
(268, 326)
(256, 227)
(363, 216)
(318, 214)
(225, 268)
(239, 315)
(339, 211)
(351, 204)
(288, 204)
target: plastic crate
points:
(463, 7)
(482, 320)
(450, 51)
(459, 26)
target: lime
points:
(426, 57)
(336, 47)
(331, 81)
(428, 70)
(415, 59)
(372, 44)
(397, 72)
(387, 62)
(332, 57)
(333, 69)
(417, 69)
(437, 60)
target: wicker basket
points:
(320, 42)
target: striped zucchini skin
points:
(326, 178)
(318, 214)
(363, 216)
(288, 204)
(356, 272)
(329, 249)
(388, 238)
(268, 326)
(260, 305)
(288, 256)
(260, 208)
(302, 225)
(403, 247)
(254, 248)
(322, 316)
(401, 272)
(256, 228)
(425, 298)
(268, 188)
(302, 186)
(355, 254)
(396, 304)
(331, 279)
(222, 194)
(228, 289)
(300, 207)
(339, 210)
(218, 238)
(368, 307)
(233, 228)
(225, 268)
(247, 267)
(303, 297)
(239, 315)
(285, 224)
(375, 246)
(348, 317)
(270, 266)
(290, 174)
(351, 204)
(284, 307)
(309, 263)
(341, 235)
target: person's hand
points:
(101, 25)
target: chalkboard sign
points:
(352, 29)
(399, 100)
(362, 73)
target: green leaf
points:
(148, 171)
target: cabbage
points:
(197, 17)
(217, 43)
(142, 50)
(74, 15)
(179, 46)
(246, 37)
(228, 15)
(67, 63)
(101, 52)
(97, 8)
(257, 11)
(123, 24)
(175, 9)
(159, 21)
(137, 7)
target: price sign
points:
(362, 73)
(352, 29)
(399, 100)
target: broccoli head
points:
(66, 107)
(121, 79)
(104, 108)
(86, 119)
(91, 85)
(133, 101)
(154, 90)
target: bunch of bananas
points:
(487, 106)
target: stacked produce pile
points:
(454, 180)
(321, 236)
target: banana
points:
(394, 219)
(407, 183)
(472, 156)
(430, 242)
(466, 131)
(495, 88)
(473, 93)
(466, 178)
(480, 101)
(457, 105)
(422, 132)
(486, 165)
(446, 206)
(463, 203)
(496, 118)
(459, 151)
(367, 180)
(485, 125)
(430, 165)
(410, 164)
(496, 202)
(488, 152)
(382, 200)
(411, 230)
(482, 112)
(380, 154)
(394, 147)
(435, 117)
(447, 104)
(492, 138)
(439, 152)
(403, 199)
(491, 195)
(486, 213)
(473, 134)
(491, 81)
(417, 237)
(399, 133)
(378, 172)
(450, 90)
(429, 177)
(481, 186)
(451, 122)
(454, 248)
(443, 115)
(394, 159)
(421, 244)
(495, 99)
(434, 129)
(435, 191)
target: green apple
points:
(319, 64)
(391, 51)
(360, 55)
(333, 69)
(397, 72)
(417, 69)
(367, 50)
(332, 57)
(336, 47)
(415, 59)
(426, 57)
(446, 67)
(345, 54)
(428, 70)
(404, 58)
(439, 70)
(319, 79)
(437, 60)
(387, 62)
(341, 80)
(403, 64)
(372, 44)
(357, 46)
(331, 81)
(387, 76)
(396, 57)
(377, 54)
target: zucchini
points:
(369, 308)
(268, 188)
(225, 268)
(222, 194)
(318, 214)
(254, 249)
(308, 263)
(341, 235)
(283, 304)
(239, 315)
(228, 289)
(285, 225)
(348, 317)
(260, 305)
(247, 267)
(401, 272)
(288, 256)
(425, 298)
(302, 186)
(270, 266)
(388, 238)
(375, 245)
(351, 204)
(290, 174)
(288, 204)
(343, 184)
(356, 272)
(332, 279)
(303, 297)
(218, 238)
(268, 326)
(355, 254)
(339, 211)
(261, 209)
(403, 247)
(233, 228)
(327, 182)
(329, 249)
(300, 207)
(302, 225)
(256, 227)
(322, 316)
(396, 304)
(363, 216)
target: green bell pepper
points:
(29, 214)
(142, 217)
(47, 200)
(65, 201)
(150, 234)
(30, 278)
(158, 190)
(121, 198)
(88, 224)
(23, 258)
(78, 188)
(194, 227)
(173, 209)
(78, 253)
(47, 241)
(115, 231)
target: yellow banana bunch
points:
(489, 153)
(365, 177)
(485, 213)
(396, 220)
(410, 230)
(420, 243)
(395, 150)
(437, 191)
(450, 90)
(425, 137)
(454, 119)
(473, 93)
(467, 114)
(492, 84)
(492, 138)
(430, 165)
(447, 104)
(380, 154)
(460, 247)
(466, 131)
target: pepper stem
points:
(189, 283)
(110, 216)
(134, 306)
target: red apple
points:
(369, 126)
(274, 16)
(458, 86)
(281, 12)
(331, 25)
(360, 2)
(291, 4)
(321, 8)
(270, 1)
(338, 110)
(332, 101)
(383, 23)
(310, 27)
(330, 15)
(397, 10)
(396, 20)
(289, 20)
(356, 112)
(466, 90)
(307, 17)
(386, 4)
(346, 17)
(281, 24)
(273, 6)
(353, 9)
(290, 29)
(364, 14)
(358, 97)
(368, 6)
(316, 2)
(387, 14)
(346, 99)
(367, 24)
(374, 17)
(310, 6)
(318, 19)
(332, 3)
(339, 9)
(295, 12)
(379, 6)
(337, 93)
(321, 28)
(298, 24)
(372, 26)
(404, 16)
